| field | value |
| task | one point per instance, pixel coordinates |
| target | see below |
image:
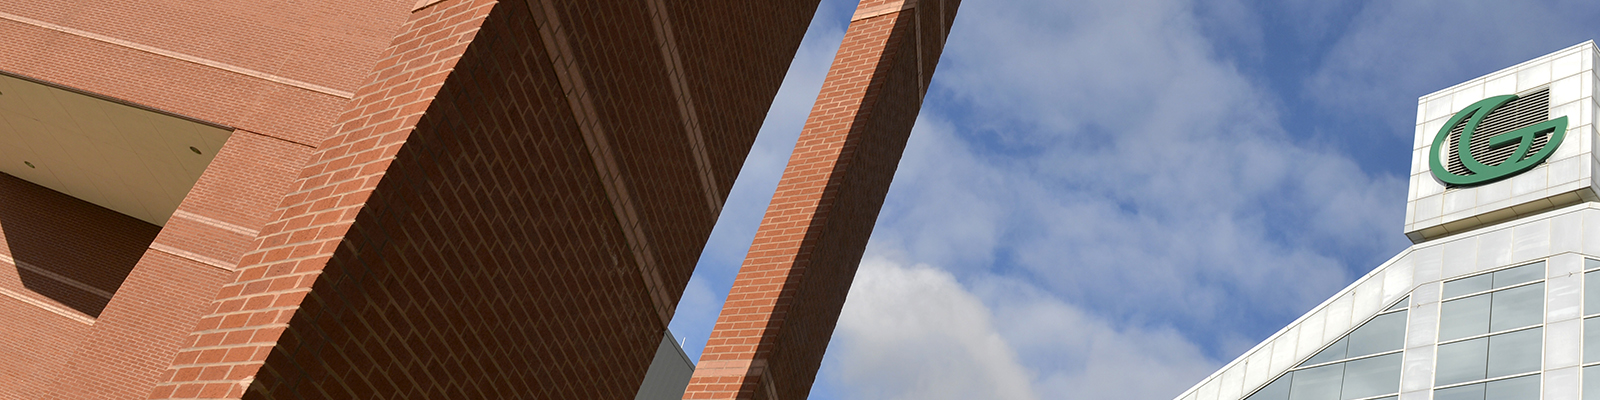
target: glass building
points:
(1498, 298)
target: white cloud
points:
(914, 333)
(1127, 205)
(1103, 150)
(1079, 355)
(1396, 51)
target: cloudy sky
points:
(1112, 198)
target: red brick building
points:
(399, 199)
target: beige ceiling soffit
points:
(73, 315)
(180, 56)
(421, 4)
(886, 8)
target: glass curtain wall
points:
(1362, 365)
(1491, 336)
(1490, 345)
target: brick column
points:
(238, 330)
(780, 313)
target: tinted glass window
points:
(1523, 274)
(1469, 285)
(1516, 308)
(1464, 317)
(1515, 352)
(1277, 390)
(1332, 353)
(1371, 377)
(1591, 340)
(1521, 388)
(1385, 333)
(1591, 293)
(1468, 392)
(1591, 382)
(1462, 361)
(1320, 383)
(1402, 304)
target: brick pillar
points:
(785, 301)
(238, 330)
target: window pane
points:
(1277, 390)
(1526, 273)
(1400, 305)
(1515, 352)
(1591, 382)
(1384, 333)
(1462, 361)
(1523, 388)
(1464, 317)
(1371, 377)
(1591, 293)
(1591, 340)
(1470, 285)
(1320, 383)
(1468, 392)
(1332, 353)
(1516, 308)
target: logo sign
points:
(1481, 173)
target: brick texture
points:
(775, 325)
(239, 330)
(190, 259)
(60, 261)
(476, 199)
(65, 250)
(331, 44)
(245, 64)
(510, 209)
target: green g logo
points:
(1481, 173)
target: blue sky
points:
(1112, 198)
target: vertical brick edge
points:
(228, 346)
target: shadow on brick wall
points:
(65, 249)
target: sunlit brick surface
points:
(472, 199)
(543, 208)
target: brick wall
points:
(282, 68)
(553, 185)
(530, 236)
(229, 344)
(487, 264)
(780, 313)
(735, 56)
(69, 251)
(191, 258)
(279, 70)
(60, 261)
